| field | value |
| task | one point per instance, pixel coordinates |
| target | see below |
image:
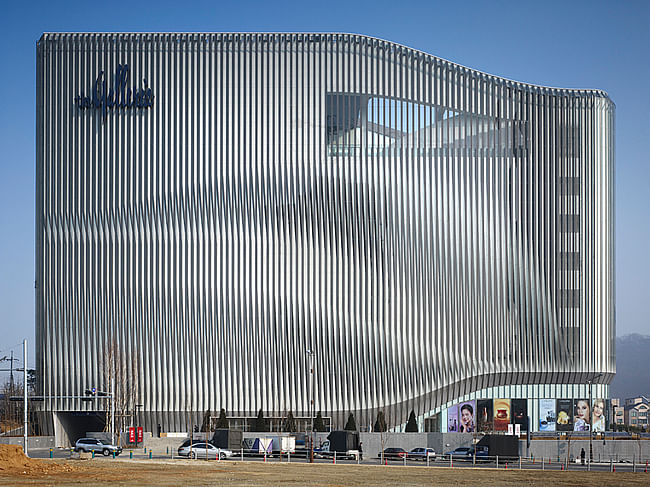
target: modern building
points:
(211, 207)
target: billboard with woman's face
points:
(598, 416)
(581, 415)
(484, 412)
(547, 415)
(467, 417)
(564, 421)
(501, 414)
(452, 419)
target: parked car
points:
(393, 453)
(467, 453)
(201, 449)
(460, 453)
(422, 454)
(93, 444)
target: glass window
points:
(570, 261)
(570, 185)
(569, 223)
(569, 298)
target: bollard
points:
(264, 455)
(150, 453)
(404, 460)
(167, 450)
(497, 461)
(145, 450)
(51, 453)
(334, 458)
(242, 454)
(288, 457)
(451, 463)
(93, 453)
(113, 454)
(506, 465)
(131, 454)
(634, 465)
(562, 466)
(519, 463)
(646, 466)
(427, 459)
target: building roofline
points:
(497, 78)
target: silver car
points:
(93, 444)
(201, 449)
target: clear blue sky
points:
(573, 44)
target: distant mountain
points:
(632, 367)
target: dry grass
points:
(236, 474)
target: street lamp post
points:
(591, 420)
(311, 403)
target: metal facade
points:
(427, 229)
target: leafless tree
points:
(121, 379)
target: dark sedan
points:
(392, 453)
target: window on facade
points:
(570, 185)
(569, 223)
(364, 125)
(570, 261)
(569, 298)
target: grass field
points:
(236, 474)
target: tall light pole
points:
(25, 393)
(591, 420)
(312, 386)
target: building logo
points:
(119, 96)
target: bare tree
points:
(11, 412)
(121, 380)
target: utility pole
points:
(24, 392)
(113, 407)
(591, 419)
(312, 403)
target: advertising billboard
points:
(452, 419)
(501, 414)
(467, 417)
(599, 416)
(547, 414)
(520, 412)
(484, 413)
(581, 415)
(564, 421)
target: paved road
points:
(438, 463)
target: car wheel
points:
(106, 452)
(222, 456)
(192, 455)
